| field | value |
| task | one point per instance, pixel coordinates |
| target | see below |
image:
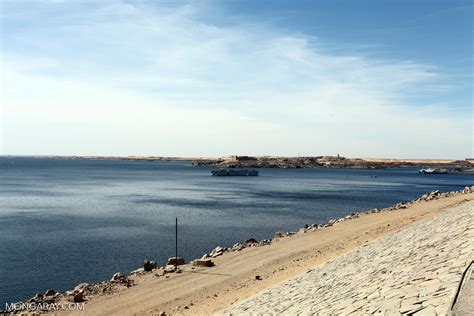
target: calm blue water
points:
(63, 222)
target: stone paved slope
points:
(465, 302)
(413, 271)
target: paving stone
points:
(413, 271)
(426, 311)
(410, 308)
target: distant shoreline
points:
(282, 161)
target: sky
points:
(216, 78)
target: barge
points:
(235, 172)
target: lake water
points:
(63, 222)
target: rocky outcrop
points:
(323, 162)
(290, 162)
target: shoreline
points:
(119, 285)
(283, 162)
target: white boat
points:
(427, 170)
(439, 170)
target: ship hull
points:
(235, 173)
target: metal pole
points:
(176, 254)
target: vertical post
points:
(176, 248)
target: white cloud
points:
(117, 78)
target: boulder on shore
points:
(49, 292)
(81, 286)
(149, 265)
(178, 261)
(170, 269)
(49, 299)
(118, 277)
(237, 247)
(203, 263)
(37, 298)
(137, 271)
(251, 241)
(218, 251)
(78, 296)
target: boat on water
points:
(427, 170)
(235, 172)
(447, 170)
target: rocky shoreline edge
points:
(85, 291)
(289, 162)
(461, 166)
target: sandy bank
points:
(209, 290)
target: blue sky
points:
(213, 78)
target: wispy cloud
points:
(135, 78)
